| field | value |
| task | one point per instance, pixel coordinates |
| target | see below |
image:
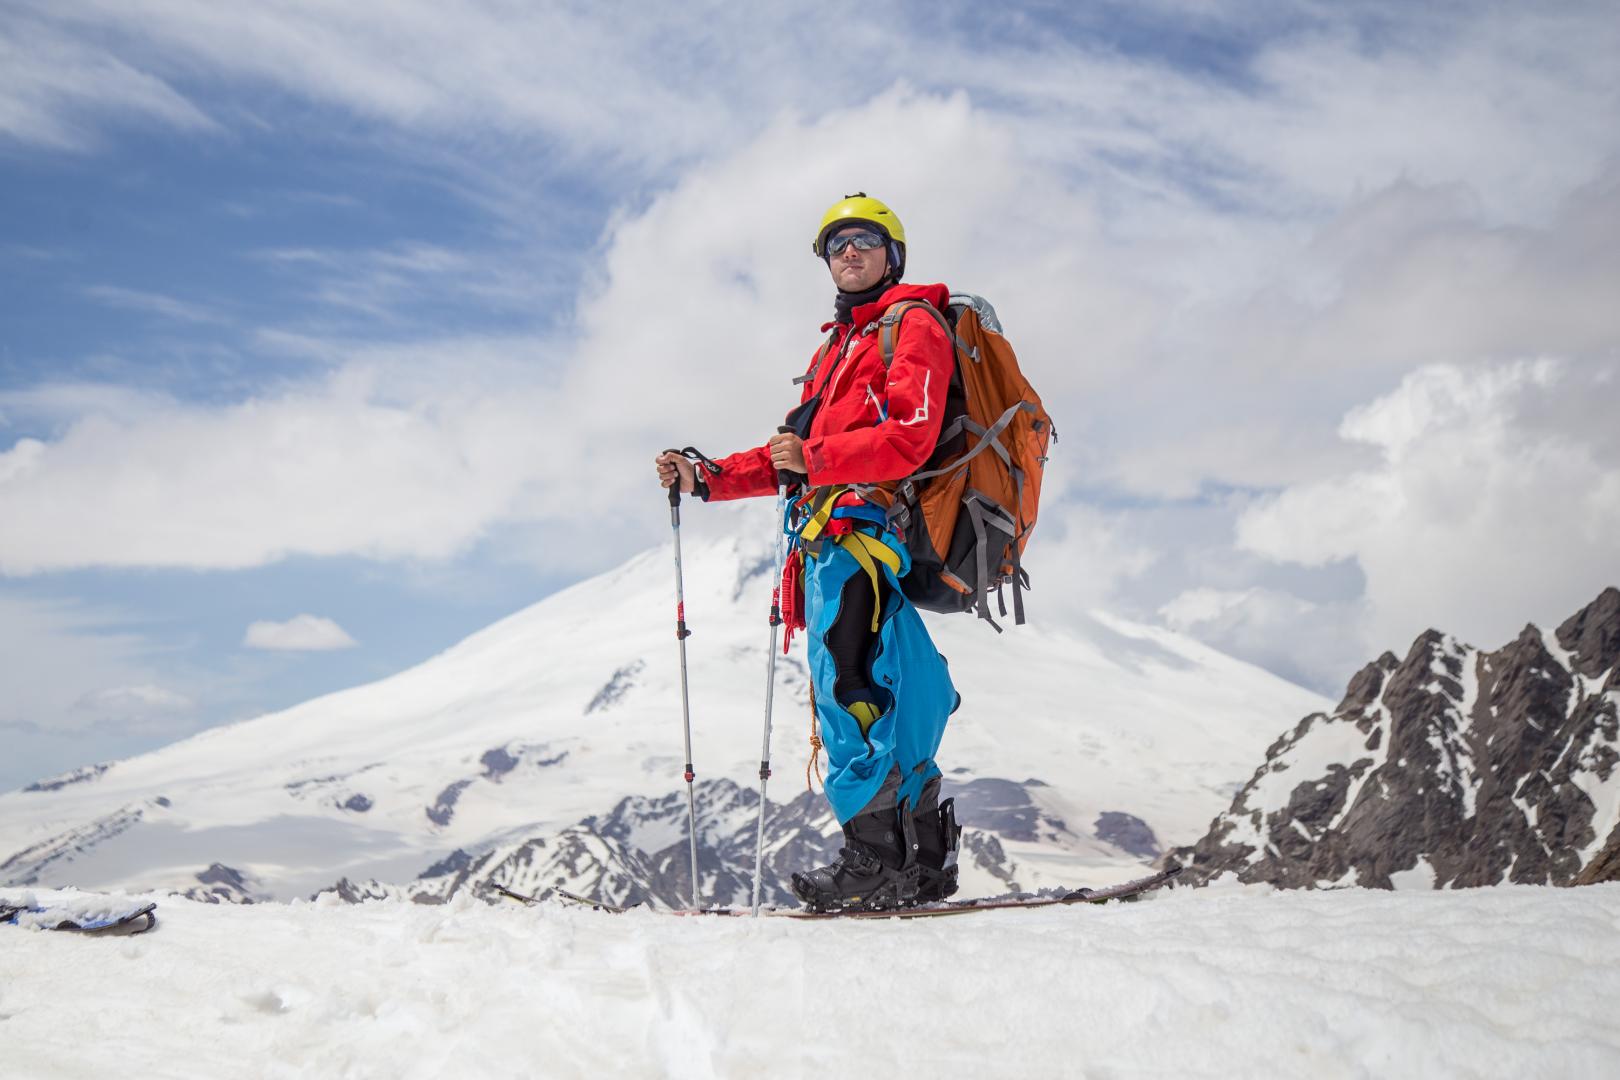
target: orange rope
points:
(815, 748)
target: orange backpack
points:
(967, 513)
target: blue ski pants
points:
(897, 684)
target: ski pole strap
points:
(697, 457)
(700, 484)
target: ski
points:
(121, 924)
(1124, 891)
(561, 894)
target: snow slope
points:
(561, 710)
(1514, 981)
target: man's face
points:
(855, 269)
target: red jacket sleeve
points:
(742, 475)
(897, 447)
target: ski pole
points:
(681, 634)
(783, 481)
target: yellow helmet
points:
(869, 211)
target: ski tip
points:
(511, 895)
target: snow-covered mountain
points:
(546, 749)
(1453, 767)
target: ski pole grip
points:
(675, 488)
(784, 478)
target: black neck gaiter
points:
(846, 302)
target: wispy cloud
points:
(152, 303)
(32, 253)
(59, 91)
(395, 284)
(301, 633)
(141, 698)
(271, 202)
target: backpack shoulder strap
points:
(889, 328)
(815, 366)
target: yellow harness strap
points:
(868, 552)
(820, 514)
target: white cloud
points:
(1299, 639)
(71, 669)
(1246, 391)
(1079, 558)
(1496, 500)
(142, 698)
(301, 633)
(1202, 274)
(388, 458)
(691, 334)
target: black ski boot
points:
(877, 868)
(938, 840)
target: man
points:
(881, 691)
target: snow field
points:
(1510, 981)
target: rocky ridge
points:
(1450, 768)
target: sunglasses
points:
(863, 241)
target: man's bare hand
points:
(787, 452)
(672, 466)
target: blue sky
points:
(371, 315)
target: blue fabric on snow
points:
(907, 667)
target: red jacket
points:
(873, 425)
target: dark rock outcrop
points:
(444, 807)
(497, 762)
(619, 684)
(1128, 833)
(82, 775)
(221, 884)
(1450, 768)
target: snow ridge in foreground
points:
(1511, 981)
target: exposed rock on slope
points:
(1453, 767)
